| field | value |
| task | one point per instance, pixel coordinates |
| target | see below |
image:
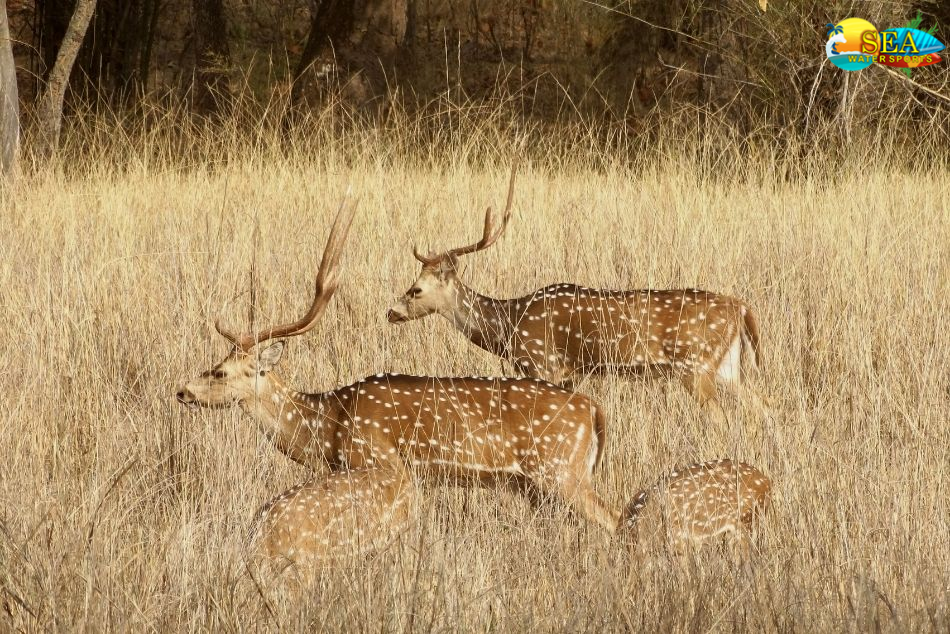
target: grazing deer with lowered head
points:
(337, 515)
(704, 338)
(698, 503)
(549, 438)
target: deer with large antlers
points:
(543, 435)
(698, 503)
(706, 339)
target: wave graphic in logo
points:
(843, 47)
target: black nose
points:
(394, 317)
(181, 396)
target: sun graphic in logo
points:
(843, 47)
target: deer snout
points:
(185, 397)
(395, 317)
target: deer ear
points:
(269, 356)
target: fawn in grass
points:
(698, 503)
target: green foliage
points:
(915, 23)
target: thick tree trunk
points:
(212, 88)
(50, 110)
(9, 99)
(355, 43)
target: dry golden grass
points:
(121, 510)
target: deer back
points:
(479, 424)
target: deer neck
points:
(486, 321)
(294, 421)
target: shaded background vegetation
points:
(634, 68)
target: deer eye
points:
(217, 374)
(415, 291)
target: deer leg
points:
(742, 391)
(580, 495)
(743, 539)
(703, 388)
(758, 403)
(524, 486)
(595, 509)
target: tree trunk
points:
(9, 100)
(50, 110)
(52, 22)
(112, 66)
(354, 42)
(212, 89)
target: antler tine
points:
(235, 338)
(490, 233)
(327, 277)
(425, 259)
(326, 283)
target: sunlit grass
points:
(121, 510)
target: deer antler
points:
(428, 260)
(327, 282)
(490, 234)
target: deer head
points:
(243, 375)
(239, 377)
(435, 288)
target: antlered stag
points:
(703, 338)
(547, 436)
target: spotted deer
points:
(549, 438)
(695, 504)
(339, 514)
(703, 338)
